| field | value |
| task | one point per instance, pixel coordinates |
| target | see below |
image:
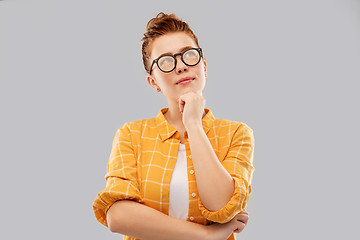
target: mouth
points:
(184, 81)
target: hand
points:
(240, 221)
(191, 105)
(218, 231)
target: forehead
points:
(171, 42)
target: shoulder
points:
(231, 125)
(139, 125)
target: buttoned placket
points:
(166, 131)
(191, 176)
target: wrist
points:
(194, 128)
(218, 231)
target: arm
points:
(122, 185)
(140, 221)
(137, 220)
(119, 206)
(121, 176)
(219, 201)
(215, 184)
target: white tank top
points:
(179, 187)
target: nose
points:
(180, 65)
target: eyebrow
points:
(181, 50)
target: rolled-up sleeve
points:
(121, 176)
(239, 163)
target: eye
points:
(166, 63)
(165, 60)
(191, 54)
(191, 57)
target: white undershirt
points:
(179, 187)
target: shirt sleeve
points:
(239, 163)
(121, 176)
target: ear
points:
(152, 83)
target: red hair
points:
(159, 26)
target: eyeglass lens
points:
(190, 57)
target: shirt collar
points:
(166, 130)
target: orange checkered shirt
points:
(144, 154)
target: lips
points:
(184, 79)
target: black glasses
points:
(167, 63)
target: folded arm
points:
(137, 220)
(119, 206)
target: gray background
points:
(71, 74)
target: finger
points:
(181, 107)
(240, 227)
(238, 230)
(243, 218)
(242, 214)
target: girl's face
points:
(172, 43)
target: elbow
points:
(114, 218)
(112, 227)
(113, 224)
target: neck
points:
(174, 116)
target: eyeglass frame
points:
(199, 50)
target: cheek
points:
(164, 81)
(200, 71)
(201, 67)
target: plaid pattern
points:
(143, 157)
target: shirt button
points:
(190, 156)
(192, 171)
(193, 194)
(192, 218)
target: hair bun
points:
(160, 17)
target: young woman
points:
(183, 174)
